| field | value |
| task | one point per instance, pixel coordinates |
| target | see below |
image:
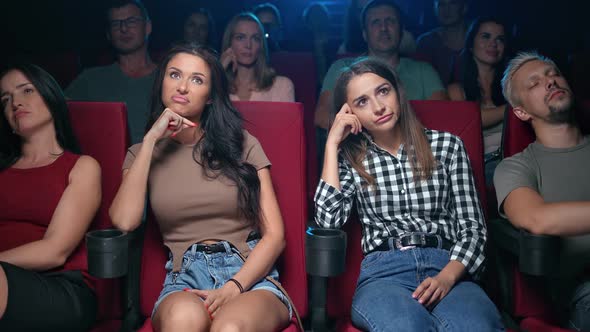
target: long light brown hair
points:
(263, 72)
(354, 147)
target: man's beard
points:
(563, 113)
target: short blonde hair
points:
(513, 66)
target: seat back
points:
(459, 118)
(300, 67)
(517, 134)
(279, 128)
(101, 130)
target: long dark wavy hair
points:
(354, 147)
(469, 72)
(220, 150)
(53, 97)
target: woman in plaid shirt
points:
(423, 227)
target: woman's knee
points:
(230, 325)
(180, 313)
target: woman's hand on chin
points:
(169, 124)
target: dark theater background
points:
(41, 29)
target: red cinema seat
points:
(101, 130)
(459, 118)
(279, 128)
(300, 67)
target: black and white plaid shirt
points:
(446, 204)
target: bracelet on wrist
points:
(240, 287)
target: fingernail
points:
(185, 290)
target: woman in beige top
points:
(482, 64)
(245, 59)
(206, 178)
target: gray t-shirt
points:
(109, 83)
(419, 78)
(558, 175)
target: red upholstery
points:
(300, 67)
(517, 134)
(101, 129)
(279, 128)
(459, 118)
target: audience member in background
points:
(245, 59)
(130, 78)
(424, 231)
(199, 28)
(209, 187)
(49, 194)
(270, 17)
(355, 44)
(545, 189)
(482, 63)
(382, 29)
(442, 45)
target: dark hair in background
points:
(354, 147)
(220, 150)
(353, 34)
(268, 7)
(52, 95)
(212, 33)
(114, 4)
(469, 73)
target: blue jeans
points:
(204, 271)
(383, 297)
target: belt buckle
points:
(208, 249)
(400, 246)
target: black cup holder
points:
(108, 250)
(325, 251)
(539, 254)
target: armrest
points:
(325, 252)
(538, 255)
(325, 256)
(107, 251)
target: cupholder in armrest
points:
(539, 254)
(325, 251)
(107, 253)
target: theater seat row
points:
(102, 131)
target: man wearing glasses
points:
(131, 77)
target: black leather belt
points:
(416, 240)
(211, 248)
(219, 247)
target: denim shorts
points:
(205, 271)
